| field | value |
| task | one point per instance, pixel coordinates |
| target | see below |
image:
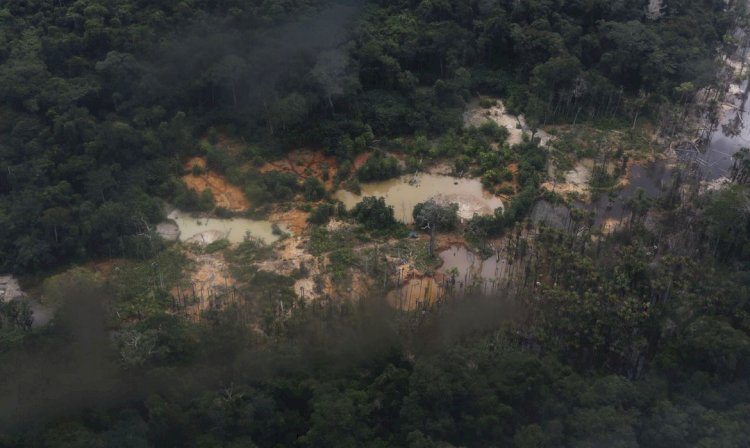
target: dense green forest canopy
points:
(101, 100)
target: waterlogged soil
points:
(653, 178)
(731, 135)
(407, 191)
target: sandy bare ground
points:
(225, 194)
(476, 115)
(294, 219)
(207, 237)
(576, 180)
(289, 257)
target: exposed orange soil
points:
(225, 194)
(306, 163)
(294, 219)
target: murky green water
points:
(206, 230)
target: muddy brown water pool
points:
(462, 272)
(407, 191)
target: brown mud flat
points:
(225, 194)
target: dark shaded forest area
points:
(638, 338)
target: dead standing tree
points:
(435, 216)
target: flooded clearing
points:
(468, 268)
(729, 137)
(407, 191)
(653, 178)
(556, 216)
(715, 155)
(609, 207)
(205, 230)
(462, 272)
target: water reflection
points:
(462, 272)
(730, 136)
(653, 178)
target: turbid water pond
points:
(205, 230)
(462, 272)
(407, 191)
